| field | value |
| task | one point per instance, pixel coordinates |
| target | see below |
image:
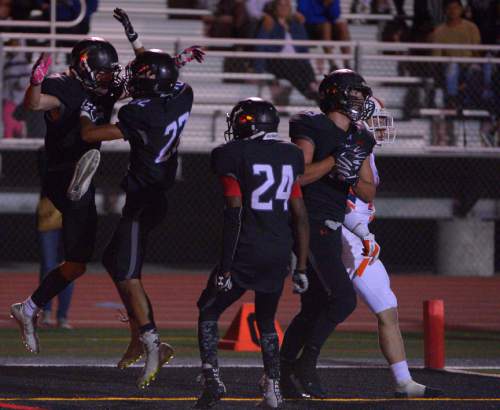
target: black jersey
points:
(63, 142)
(153, 127)
(326, 198)
(266, 170)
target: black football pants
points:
(330, 298)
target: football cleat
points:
(27, 326)
(157, 354)
(271, 393)
(289, 384)
(213, 388)
(84, 171)
(414, 389)
(135, 349)
(309, 380)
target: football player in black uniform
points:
(336, 149)
(263, 207)
(152, 123)
(93, 74)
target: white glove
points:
(89, 109)
(371, 249)
(300, 281)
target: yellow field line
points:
(244, 399)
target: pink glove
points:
(40, 69)
(189, 54)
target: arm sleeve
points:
(230, 185)
(230, 235)
(132, 122)
(296, 191)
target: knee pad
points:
(340, 307)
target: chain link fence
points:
(442, 171)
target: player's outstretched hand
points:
(371, 249)
(40, 69)
(189, 54)
(223, 281)
(90, 110)
(122, 17)
(300, 281)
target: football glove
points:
(223, 282)
(300, 281)
(122, 17)
(90, 110)
(348, 162)
(40, 69)
(371, 249)
(189, 54)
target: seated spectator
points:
(230, 19)
(283, 24)
(456, 30)
(323, 22)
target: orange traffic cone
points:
(243, 335)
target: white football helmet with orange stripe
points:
(381, 124)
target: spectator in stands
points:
(230, 19)
(281, 23)
(323, 22)
(16, 73)
(456, 30)
(49, 228)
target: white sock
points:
(30, 308)
(400, 372)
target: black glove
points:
(189, 54)
(223, 283)
(348, 162)
(122, 17)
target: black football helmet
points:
(336, 94)
(251, 118)
(94, 61)
(151, 73)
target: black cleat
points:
(413, 389)
(309, 380)
(290, 385)
(213, 389)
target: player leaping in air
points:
(369, 277)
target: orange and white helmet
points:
(381, 124)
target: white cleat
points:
(84, 171)
(271, 393)
(157, 354)
(27, 325)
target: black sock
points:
(208, 339)
(323, 328)
(147, 327)
(309, 356)
(53, 284)
(270, 346)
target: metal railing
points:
(379, 69)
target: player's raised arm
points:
(34, 99)
(131, 34)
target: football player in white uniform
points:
(370, 279)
